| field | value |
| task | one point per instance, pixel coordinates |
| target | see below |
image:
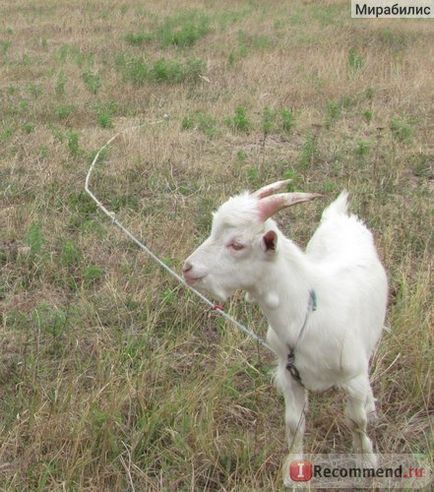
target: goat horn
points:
(271, 204)
(271, 188)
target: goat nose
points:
(187, 267)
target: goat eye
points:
(236, 246)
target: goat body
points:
(342, 267)
(247, 250)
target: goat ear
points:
(269, 241)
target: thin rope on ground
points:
(115, 221)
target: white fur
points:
(341, 265)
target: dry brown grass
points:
(112, 377)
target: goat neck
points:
(284, 292)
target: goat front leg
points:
(360, 403)
(295, 407)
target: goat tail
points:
(338, 207)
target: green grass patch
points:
(287, 118)
(6, 133)
(28, 127)
(5, 46)
(401, 130)
(367, 115)
(92, 81)
(268, 120)
(355, 60)
(239, 122)
(203, 122)
(183, 29)
(253, 176)
(422, 165)
(362, 148)
(73, 53)
(333, 113)
(63, 111)
(241, 155)
(394, 39)
(308, 152)
(105, 112)
(135, 70)
(296, 183)
(49, 319)
(81, 203)
(203, 216)
(139, 38)
(329, 187)
(34, 90)
(248, 43)
(124, 201)
(163, 70)
(70, 255)
(72, 142)
(91, 275)
(35, 238)
(60, 84)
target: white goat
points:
(325, 306)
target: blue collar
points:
(311, 307)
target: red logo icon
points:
(300, 471)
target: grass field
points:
(112, 376)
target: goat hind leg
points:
(370, 406)
(360, 402)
